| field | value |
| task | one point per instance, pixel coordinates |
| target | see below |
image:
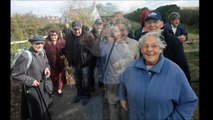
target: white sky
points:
(55, 8)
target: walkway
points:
(65, 109)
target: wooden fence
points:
(15, 42)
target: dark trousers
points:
(92, 72)
(81, 76)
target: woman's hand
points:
(124, 104)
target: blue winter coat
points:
(160, 93)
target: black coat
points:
(32, 104)
(175, 52)
(80, 49)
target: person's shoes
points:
(77, 99)
(51, 95)
(60, 93)
(85, 100)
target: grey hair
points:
(111, 30)
(124, 21)
(173, 16)
(157, 35)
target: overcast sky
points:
(55, 8)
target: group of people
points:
(144, 76)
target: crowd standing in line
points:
(105, 52)
(35, 102)
(54, 44)
(155, 88)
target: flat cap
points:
(36, 39)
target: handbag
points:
(48, 85)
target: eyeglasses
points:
(152, 46)
(53, 35)
(39, 43)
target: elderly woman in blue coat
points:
(155, 88)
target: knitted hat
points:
(173, 16)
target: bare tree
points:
(79, 10)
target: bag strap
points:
(107, 62)
(109, 56)
(29, 59)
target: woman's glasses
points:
(53, 35)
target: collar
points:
(156, 68)
(173, 26)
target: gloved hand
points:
(100, 84)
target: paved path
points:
(65, 109)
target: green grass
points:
(193, 60)
(192, 55)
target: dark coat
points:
(175, 52)
(31, 99)
(66, 31)
(86, 48)
(53, 54)
(98, 38)
(180, 30)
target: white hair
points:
(157, 35)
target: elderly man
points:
(176, 28)
(34, 98)
(78, 50)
